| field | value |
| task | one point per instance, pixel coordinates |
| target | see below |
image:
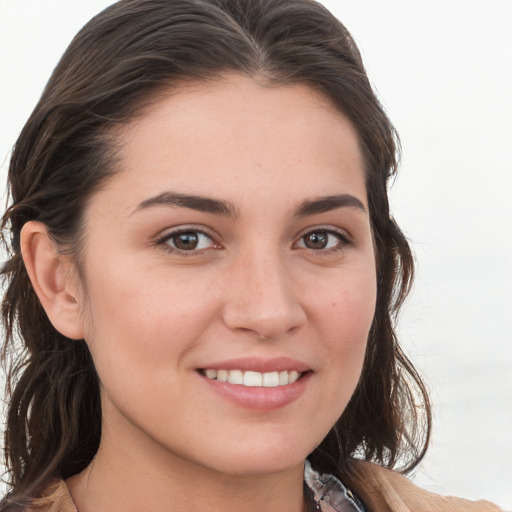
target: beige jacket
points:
(380, 489)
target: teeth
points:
(212, 374)
(253, 379)
(222, 375)
(271, 380)
(294, 375)
(236, 377)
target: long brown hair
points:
(66, 152)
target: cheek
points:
(347, 338)
(344, 315)
(341, 314)
(140, 325)
(347, 306)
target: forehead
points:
(236, 134)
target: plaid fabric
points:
(325, 493)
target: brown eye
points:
(316, 241)
(323, 240)
(188, 241)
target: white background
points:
(443, 70)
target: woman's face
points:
(234, 243)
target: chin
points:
(262, 459)
(257, 466)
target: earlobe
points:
(52, 280)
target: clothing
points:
(325, 493)
(383, 490)
(379, 489)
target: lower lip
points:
(260, 398)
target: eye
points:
(190, 240)
(323, 240)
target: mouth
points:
(261, 384)
(253, 379)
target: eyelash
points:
(164, 241)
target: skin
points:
(152, 315)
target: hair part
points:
(67, 150)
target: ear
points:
(53, 279)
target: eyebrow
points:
(329, 203)
(193, 202)
(225, 208)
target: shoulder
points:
(385, 490)
(55, 498)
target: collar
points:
(326, 493)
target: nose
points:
(263, 300)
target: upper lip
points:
(254, 364)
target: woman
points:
(204, 272)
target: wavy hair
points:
(66, 151)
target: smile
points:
(253, 379)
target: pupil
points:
(316, 240)
(186, 241)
